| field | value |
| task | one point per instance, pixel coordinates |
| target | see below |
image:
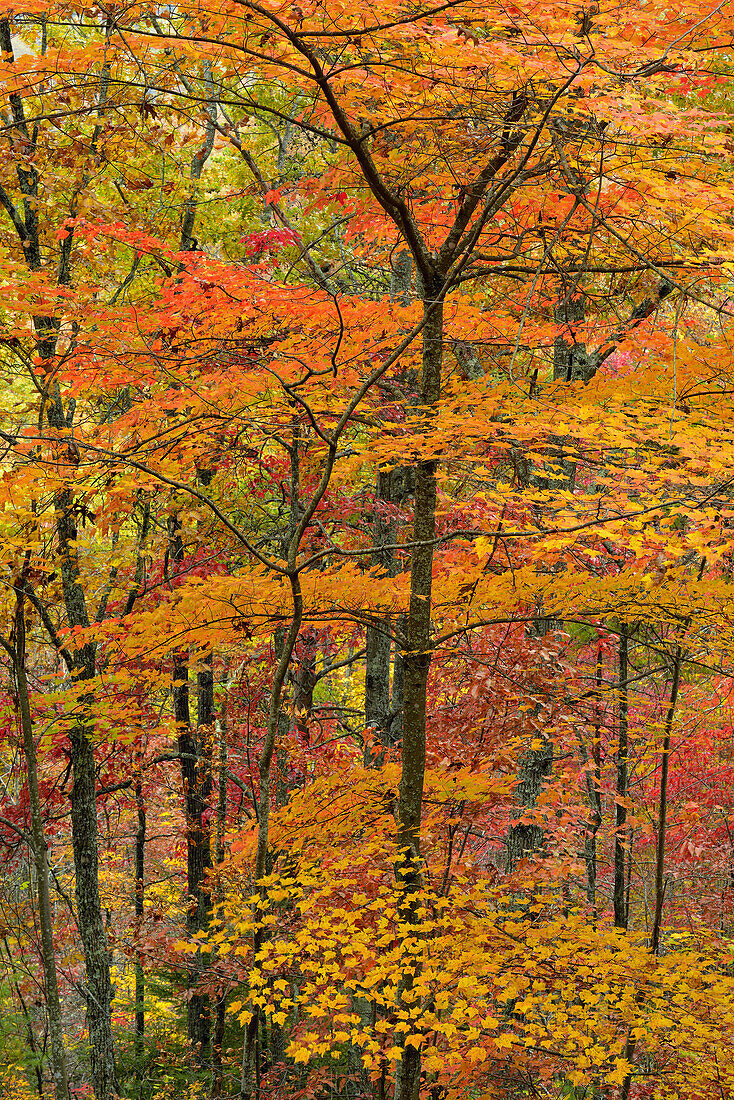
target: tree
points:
(531, 167)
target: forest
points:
(367, 550)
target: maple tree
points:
(371, 368)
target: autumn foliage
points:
(366, 541)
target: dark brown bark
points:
(197, 855)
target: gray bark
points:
(188, 241)
(304, 681)
(527, 837)
(377, 704)
(571, 361)
(621, 914)
(221, 819)
(25, 220)
(593, 786)
(17, 652)
(195, 778)
(139, 913)
(397, 700)
(468, 360)
(416, 664)
(663, 806)
(85, 835)
(401, 277)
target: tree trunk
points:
(377, 707)
(416, 664)
(663, 806)
(525, 838)
(304, 681)
(85, 836)
(397, 700)
(139, 913)
(89, 913)
(593, 784)
(81, 665)
(188, 241)
(571, 361)
(220, 824)
(250, 1084)
(196, 782)
(401, 277)
(40, 854)
(195, 773)
(621, 908)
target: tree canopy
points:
(366, 537)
